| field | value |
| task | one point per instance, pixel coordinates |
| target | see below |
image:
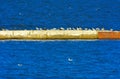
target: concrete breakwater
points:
(48, 34)
(58, 34)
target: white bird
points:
(69, 59)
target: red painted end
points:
(108, 35)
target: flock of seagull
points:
(93, 29)
(86, 29)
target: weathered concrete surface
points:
(48, 34)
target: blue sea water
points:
(76, 59)
(28, 14)
(61, 59)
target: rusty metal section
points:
(109, 35)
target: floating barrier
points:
(59, 34)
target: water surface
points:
(80, 59)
